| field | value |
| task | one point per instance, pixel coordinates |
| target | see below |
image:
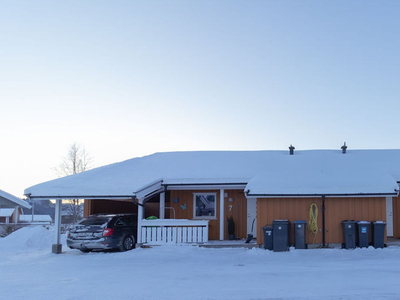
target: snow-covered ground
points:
(30, 271)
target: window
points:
(204, 205)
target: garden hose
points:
(313, 221)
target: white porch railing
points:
(169, 231)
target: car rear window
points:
(94, 221)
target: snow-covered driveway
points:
(30, 271)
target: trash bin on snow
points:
(349, 234)
(300, 234)
(378, 234)
(280, 236)
(363, 233)
(267, 230)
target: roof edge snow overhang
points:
(248, 194)
(85, 197)
(204, 185)
(150, 190)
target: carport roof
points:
(14, 199)
(264, 169)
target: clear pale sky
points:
(130, 78)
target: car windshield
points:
(94, 221)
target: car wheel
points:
(128, 243)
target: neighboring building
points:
(254, 187)
(36, 219)
(11, 207)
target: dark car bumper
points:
(97, 244)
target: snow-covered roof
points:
(36, 218)
(308, 171)
(14, 199)
(6, 212)
(321, 183)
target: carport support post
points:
(57, 247)
(140, 218)
(162, 205)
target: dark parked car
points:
(103, 232)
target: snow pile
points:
(190, 272)
(28, 239)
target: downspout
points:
(323, 221)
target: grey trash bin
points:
(349, 234)
(267, 229)
(280, 236)
(300, 234)
(363, 233)
(378, 234)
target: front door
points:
(389, 216)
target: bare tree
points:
(78, 160)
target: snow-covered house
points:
(11, 207)
(201, 189)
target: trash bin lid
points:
(379, 222)
(280, 222)
(349, 221)
(363, 222)
(300, 222)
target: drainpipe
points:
(221, 214)
(323, 221)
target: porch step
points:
(230, 244)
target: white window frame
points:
(215, 207)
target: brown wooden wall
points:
(292, 209)
(358, 209)
(115, 206)
(238, 211)
(108, 206)
(336, 210)
(185, 199)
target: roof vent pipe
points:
(344, 147)
(291, 149)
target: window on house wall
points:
(205, 205)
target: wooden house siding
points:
(108, 206)
(182, 202)
(235, 204)
(336, 210)
(358, 209)
(292, 209)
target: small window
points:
(204, 205)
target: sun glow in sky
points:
(130, 78)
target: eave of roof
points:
(14, 199)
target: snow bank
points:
(28, 239)
(190, 272)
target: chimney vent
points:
(344, 147)
(291, 149)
